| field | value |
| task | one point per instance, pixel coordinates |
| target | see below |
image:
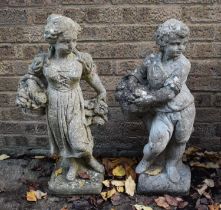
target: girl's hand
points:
(102, 96)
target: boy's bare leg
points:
(158, 140)
(174, 157)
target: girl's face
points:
(174, 48)
(65, 46)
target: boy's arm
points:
(173, 84)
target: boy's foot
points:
(71, 174)
(142, 166)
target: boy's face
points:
(175, 47)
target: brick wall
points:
(118, 34)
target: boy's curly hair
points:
(171, 29)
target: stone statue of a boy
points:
(157, 91)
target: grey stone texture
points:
(52, 87)
(118, 43)
(156, 92)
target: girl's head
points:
(61, 32)
(172, 37)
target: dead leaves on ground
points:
(198, 157)
(4, 157)
(34, 195)
(167, 202)
(122, 177)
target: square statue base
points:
(161, 184)
(60, 186)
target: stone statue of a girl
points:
(157, 92)
(53, 83)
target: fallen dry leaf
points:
(119, 171)
(4, 157)
(120, 189)
(204, 165)
(83, 175)
(106, 183)
(182, 204)
(172, 201)
(215, 206)
(202, 189)
(118, 183)
(207, 195)
(141, 207)
(108, 194)
(130, 186)
(161, 202)
(64, 208)
(209, 182)
(40, 195)
(30, 196)
(154, 171)
(58, 172)
(191, 150)
(39, 157)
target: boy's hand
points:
(144, 101)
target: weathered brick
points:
(13, 67)
(24, 141)
(7, 99)
(41, 3)
(9, 83)
(16, 114)
(204, 130)
(136, 1)
(13, 16)
(217, 100)
(118, 50)
(151, 15)
(126, 66)
(110, 97)
(208, 115)
(109, 83)
(24, 51)
(105, 67)
(213, 144)
(84, 2)
(184, 2)
(202, 32)
(77, 14)
(218, 32)
(202, 83)
(205, 67)
(39, 16)
(134, 129)
(4, 3)
(203, 99)
(118, 33)
(218, 130)
(15, 3)
(7, 51)
(202, 14)
(204, 50)
(21, 34)
(104, 15)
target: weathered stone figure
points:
(53, 82)
(157, 92)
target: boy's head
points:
(172, 36)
